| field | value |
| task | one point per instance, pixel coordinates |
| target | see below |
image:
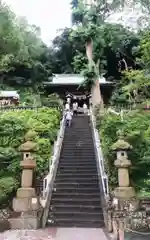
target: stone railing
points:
(48, 182)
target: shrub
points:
(136, 127)
(7, 186)
(13, 127)
(52, 100)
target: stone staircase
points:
(76, 196)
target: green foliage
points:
(79, 62)
(78, 12)
(145, 49)
(7, 186)
(52, 100)
(21, 51)
(133, 88)
(136, 129)
(106, 37)
(13, 127)
(89, 77)
(134, 85)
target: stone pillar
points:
(124, 191)
(26, 201)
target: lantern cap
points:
(121, 144)
(28, 146)
(30, 135)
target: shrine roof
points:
(9, 94)
(71, 79)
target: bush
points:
(52, 100)
(13, 127)
(136, 127)
(7, 186)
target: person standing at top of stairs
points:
(75, 108)
(68, 117)
(67, 106)
(85, 108)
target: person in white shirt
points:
(68, 97)
(68, 117)
(75, 108)
(68, 100)
(67, 106)
(85, 108)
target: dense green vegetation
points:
(22, 52)
(135, 126)
(132, 88)
(13, 127)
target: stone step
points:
(74, 180)
(76, 175)
(78, 145)
(75, 195)
(77, 170)
(71, 189)
(76, 164)
(89, 167)
(76, 215)
(67, 222)
(70, 200)
(76, 185)
(67, 207)
(78, 160)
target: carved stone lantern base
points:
(29, 208)
(26, 193)
(27, 220)
(125, 192)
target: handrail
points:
(48, 182)
(99, 155)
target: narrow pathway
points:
(55, 234)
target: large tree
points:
(98, 36)
(21, 49)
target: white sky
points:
(49, 15)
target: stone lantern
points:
(122, 163)
(26, 201)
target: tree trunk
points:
(95, 91)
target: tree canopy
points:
(26, 60)
(21, 50)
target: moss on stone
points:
(28, 146)
(121, 145)
(30, 135)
